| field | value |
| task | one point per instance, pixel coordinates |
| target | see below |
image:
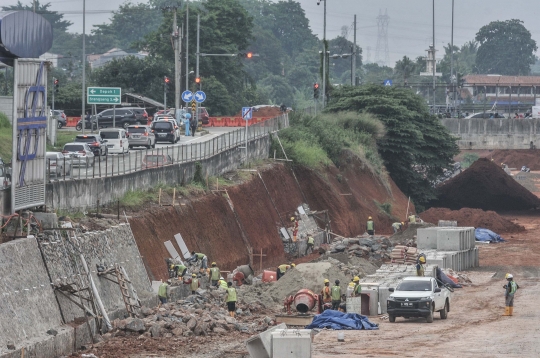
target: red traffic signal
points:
(56, 81)
(315, 86)
(166, 79)
(197, 80)
(249, 55)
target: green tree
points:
(416, 147)
(373, 73)
(506, 48)
(464, 60)
(278, 89)
(404, 69)
(340, 67)
(57, 21)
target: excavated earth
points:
(485, 185)
(225, 225)
(514, 158)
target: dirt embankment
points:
(261, 206)
(514, 158)
(485, 185)
(472, 217)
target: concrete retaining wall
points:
(500, 133)
(79, 194)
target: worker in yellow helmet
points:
(420, 265)
(397, 226)
(281, 270)
(357, 288)
(310, 244)
(370, 226)
(510, 289)
(325, 293)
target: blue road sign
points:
(187, 96)
(387, 83)
(200, 96)
(247, 113)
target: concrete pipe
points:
(305, 300)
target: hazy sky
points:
(409, 30)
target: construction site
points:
(88, 286)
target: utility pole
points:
(324, 59)
(197, 66)
(176, 39)
(187, 48)
(84, 67)
(434, 58)
(353, 74)
(452, 78)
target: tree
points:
(340, 67)
(373, 73)
(506, 48)
(404, 69)
(57, 21)
(416, 148)
(278, 89)
(464, 60)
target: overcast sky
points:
(409, 30)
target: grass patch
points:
(193, 188)
(72, 214)
(136, 198)
(468, 159)
(384, 207)
(6, 136)
(62, 137)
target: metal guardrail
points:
(121, 164)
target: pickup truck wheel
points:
(444, 311)
(391, 318)
(429, 319)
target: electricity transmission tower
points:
(382, 39)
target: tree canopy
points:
(416, 147)
(505, 48)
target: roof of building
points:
(494, 80)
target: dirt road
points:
(475, 326)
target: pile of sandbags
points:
(402, 254)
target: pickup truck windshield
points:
(414, 286)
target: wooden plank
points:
(295, 320)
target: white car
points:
(117, 140)
(418, 297)
(80, 154)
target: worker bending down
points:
(179, 270)
(510, 289)
(197, 256)
(398, 226)
(222, 283)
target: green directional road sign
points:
(103, 95)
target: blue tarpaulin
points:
(486, 235)
(338, 320)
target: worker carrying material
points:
(179, 270)
(281, 270)
(295, 228)
(310, 244)
(214, 274)
(163, 292)
(420, 265)
(222, 283)
(398, 226)
(195, 284)
(230, 298)
(197, 256)
(336, 295)
(370, 226)
(325, 292)
(509, 290)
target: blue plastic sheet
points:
(338, 320)
(486, 235)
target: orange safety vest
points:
(326, 294)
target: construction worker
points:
(197, 256)
(336, 295)
(195, 284)
(412, 219)
(179, 270)
(397, 226)
(420, 266)
(281, 270)
(214, 274)
(357, 288)
(163, 292)
(325, 293)
(222, 283)
(370, 226)
(295, 228)
(293, 265)
(230, 298)
(510, 289)
(310, 244)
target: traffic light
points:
(460, 79)
(245, 54)
(56, 85)
(197, 80)
(166, 80)
(316, 90)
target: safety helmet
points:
(422, 259)
(194, 275)
(402, 223)
(169, 282)
(509, 275)
(356, 279)
(188, 116)
(292, 218)
(172, 266)
(326, 280)
(337, 282)
(369, 218)
(293, 265)
(221, 278)
(351, 284)
(213, 264)
(193, 252)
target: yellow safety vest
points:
(412, 219)
(200, 256)
(336, 293)
(215, 273)
(282, 268)
(231, 294)
(223, 284)
(310, 240)
(370, 225)
(357, 289)
(194, 284)
(162, 290)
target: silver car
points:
(141, 136)
(56, 164)
(79, 153)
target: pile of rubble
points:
(202, 314)
(375, 248)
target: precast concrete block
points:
(426, 238)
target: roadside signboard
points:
(247, 113)
(187, 96)
(103, 95)
(200, 96)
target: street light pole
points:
(84, 68)
(187, 48)
(197, 66)
(324, 58)
(434, 57)
(452, 61)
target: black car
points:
(164, 131)
(95, 142)
(123, 117)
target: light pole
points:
(434, 59)
(84, 68)
(452, 78)
(324, 55)
(346, 55)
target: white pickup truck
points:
(418, 297)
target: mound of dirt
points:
(264, 111)
(472, 217)
(514, 158)
(409, 233)
(485, 185)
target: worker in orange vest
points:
(325, 293)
